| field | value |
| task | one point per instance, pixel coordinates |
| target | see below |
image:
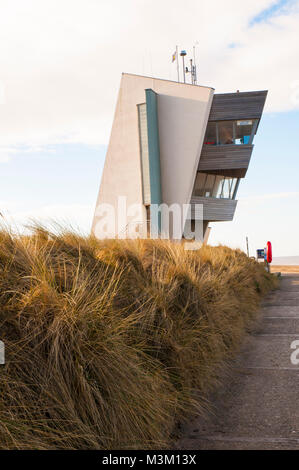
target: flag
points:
(173, 57)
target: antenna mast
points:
(193, 70)
(183, 54)
(177, 61)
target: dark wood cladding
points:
(225, 157)
(231, 106)
(213, 209)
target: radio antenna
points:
(183, 54)
(194, 70)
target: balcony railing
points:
(225, 157)
(214, 209)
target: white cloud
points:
(62, 60)
(4, 157)
(6, 154)
(76, 216)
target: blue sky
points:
(58, 93)
(269, 195)
(59, 182)
(275, 8)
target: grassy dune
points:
(107, 342)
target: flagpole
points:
(177, 62)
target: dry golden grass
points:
(107, 342)
(284, 269)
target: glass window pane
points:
(218, 186)
(211, 135)
(199, 184)
(243, 131)
(226, 187)
(230, 132)
(209, 185)
(226, 133)
(234, 183)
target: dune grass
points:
(110, 343)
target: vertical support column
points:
(153, 150)
(236, 188)
(206, 234)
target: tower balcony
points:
(217, 158)
(214, 209)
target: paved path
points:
(259, 406)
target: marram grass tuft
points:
(110, 344)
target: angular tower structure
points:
(175, 143)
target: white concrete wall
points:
(180, 141)
(182, 126)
